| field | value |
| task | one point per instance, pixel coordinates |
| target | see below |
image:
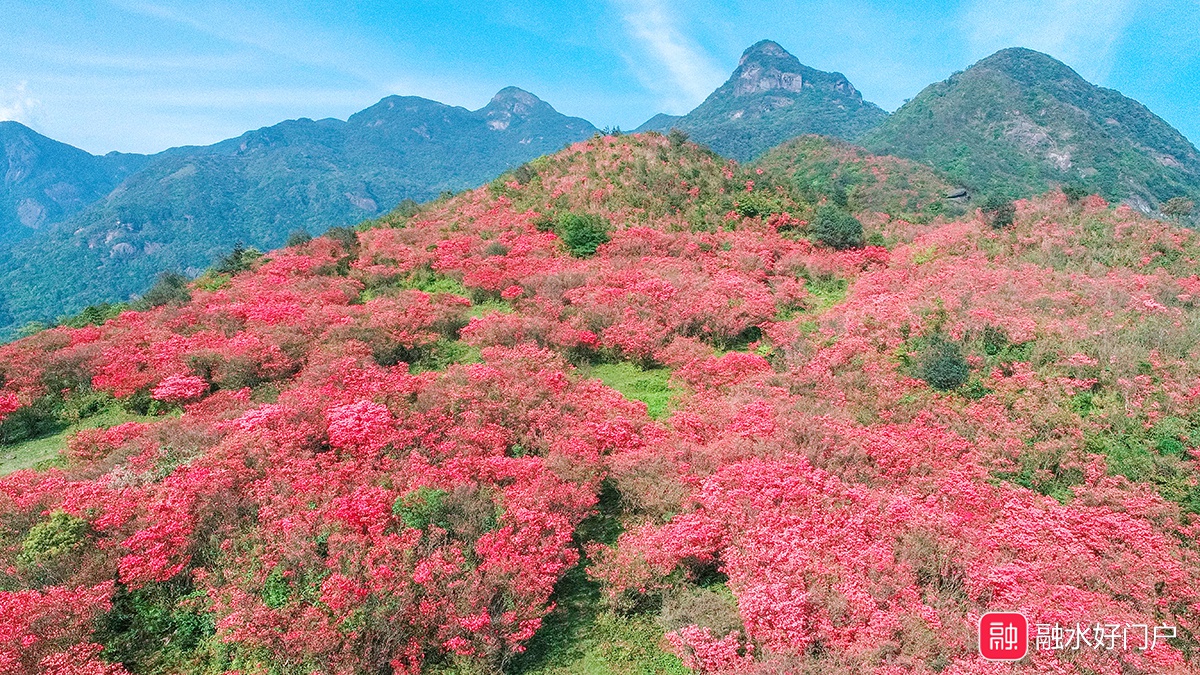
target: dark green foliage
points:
(171, 288)
(1178, 207)
(94, 315)
(943, 366)
(994, 340)
(759, 205)
(276, 589)
(1021, 122)
(837, 229)
(582, 233)
(407, 208)
(299, 237)
(1158, 455)
(999, 211)
(31, 421)
(524, 174)
(1075, 193)
(239, 259)
(347, 237)
(155, 628)
(677, 137)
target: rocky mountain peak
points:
(766, 66)
(513, 103)
(764, 50)
(516, 101)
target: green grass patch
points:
(651, 387)
(581, 636)
(422, 279)
(444, 353)
(603, 643)
(477, 310)
(1156, 459)
(44, 452)
(825, 292)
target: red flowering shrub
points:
(47, 631)
(8, 404)
(180, 388)
(381, 463)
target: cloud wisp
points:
(692, 74)
(18, 105)
(1082, 33)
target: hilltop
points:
(1020, 122)
(770, 98)
(623, 409)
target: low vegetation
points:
(481, 438)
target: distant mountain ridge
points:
(1020, 122)
(77, 229)
(770, 98)
(188, 205)
(45, 181)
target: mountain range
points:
(77, 229)
(187, 206)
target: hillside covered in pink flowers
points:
(631, 408)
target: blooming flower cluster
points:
(380, 452)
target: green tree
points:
(1178, 208)
(171, 288)
(999, 211)
(582, 233)
(837, 229)
(943, 365)
(239, 259)
(1075, 193)
(299, 237)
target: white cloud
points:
(17, 105)
(309, 43)
(1082, 33)
(692, 73)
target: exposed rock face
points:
(512, 103)
(755, 78)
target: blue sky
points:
(144, 75)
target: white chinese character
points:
(1049, 637)
(1163, 633)
(1105, 635)
(1002, 635)
(1082, 633)
(1145, 630)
